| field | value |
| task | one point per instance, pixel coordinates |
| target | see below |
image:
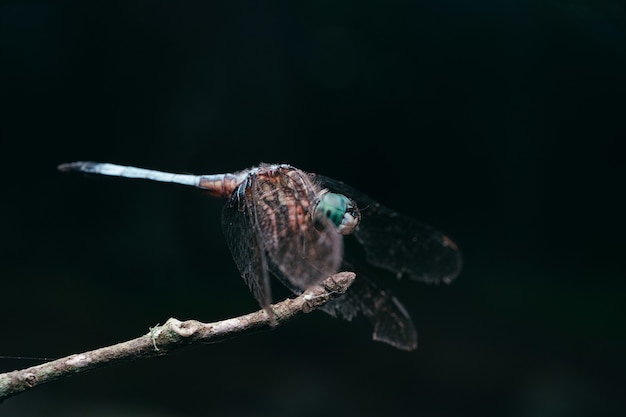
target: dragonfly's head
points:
(340, 210)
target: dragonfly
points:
(284, 222)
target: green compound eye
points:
(340, 210)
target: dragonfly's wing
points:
(267, 224)
(304, 254)
(392, 323)
(399, 243)
(243, 236)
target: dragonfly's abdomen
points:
(220, 185)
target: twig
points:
(172, 335)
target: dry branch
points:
(172, 335)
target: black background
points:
(496, 122)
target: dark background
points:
(496, 122)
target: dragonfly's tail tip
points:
(75, 166)
(64, 167)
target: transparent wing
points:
(399, 243)
(392, 323)
(243, 236)
(304, 254)
(267, 223)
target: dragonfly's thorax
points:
(268, 225)
(283, 193)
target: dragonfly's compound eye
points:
(340, 210)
